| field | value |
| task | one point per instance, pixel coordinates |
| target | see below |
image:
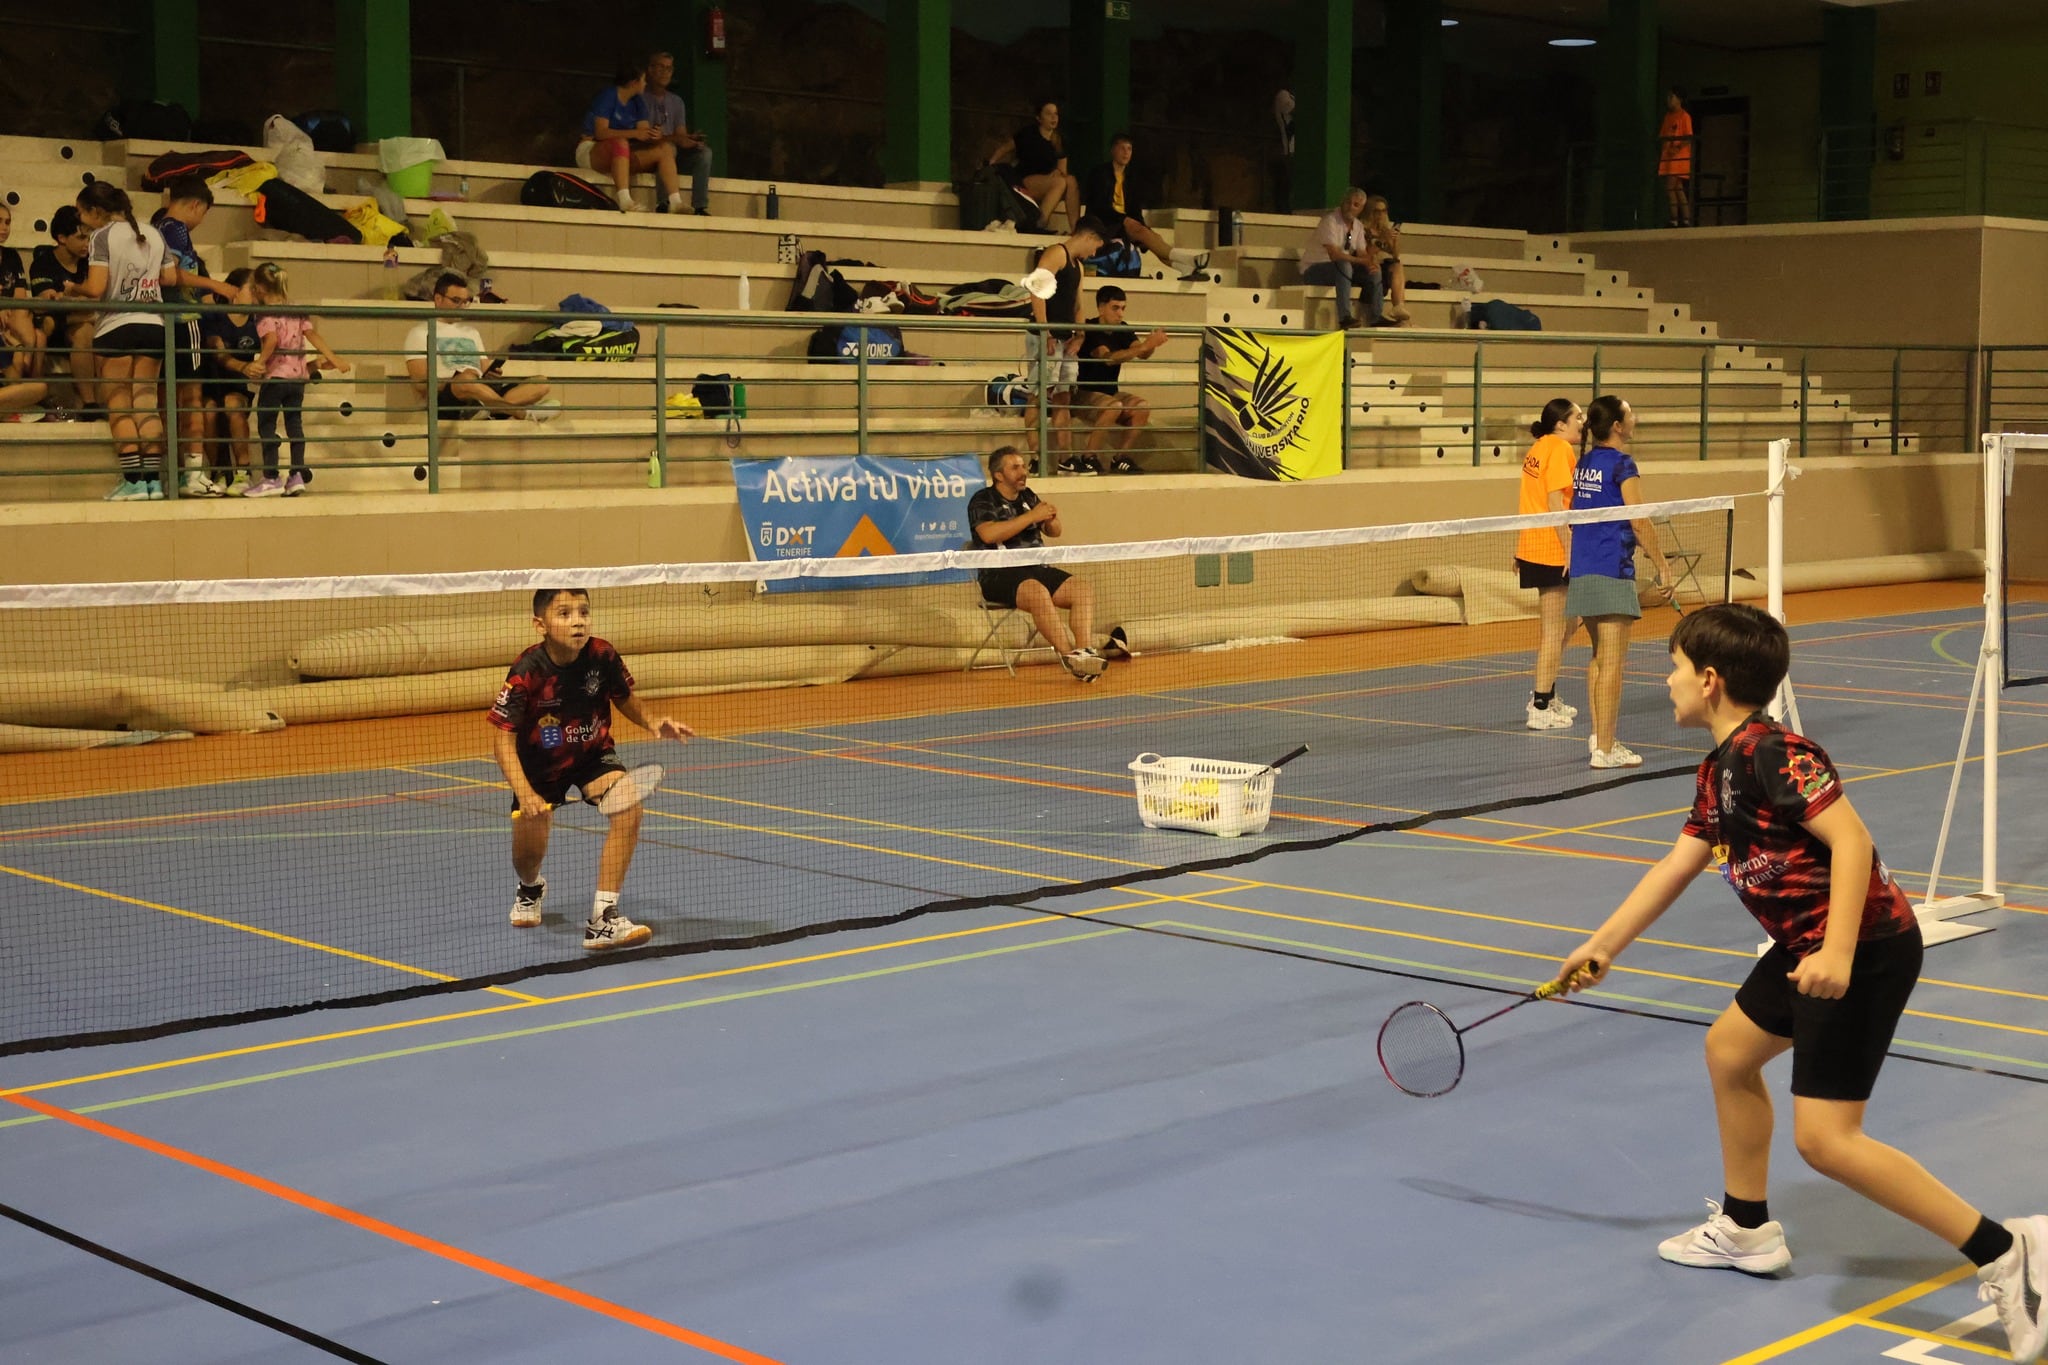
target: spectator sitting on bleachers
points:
(1339, 253)
(1038, 158)
(13, 290)
(18, 389)
(1109, 194)
(665, 113)
(57, 271)
(618, 139)
(1103, 355)
(1386, 240)
(463, 369)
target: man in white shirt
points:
(1339, 253)
(665, 115)
(461, 366)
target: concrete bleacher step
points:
(1559, 313)
(1401, 443)
(1645, 389)
(1197, 228)
(1281, 266)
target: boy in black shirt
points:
(57, 270)
(1103, 355)
(1769, 812)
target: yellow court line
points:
(1853, 1318)
(1915, 1334)
(246, 928)
(202, 813)
(529, 1002)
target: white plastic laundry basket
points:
(1209, 795)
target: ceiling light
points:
(1450, 23)
(1573, 42)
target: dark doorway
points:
(1721, 185)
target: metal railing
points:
(1411, 397)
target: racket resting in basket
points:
(1423, 1052)
(627, 792)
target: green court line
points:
(538, 1029)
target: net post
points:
(433, 406)
(1778, 472)
(1938, 914)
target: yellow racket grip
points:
(1583, 976)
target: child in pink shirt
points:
(283, 371)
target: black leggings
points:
(287, 396)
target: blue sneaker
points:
(130, 490)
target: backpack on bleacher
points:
(150, 120)
(206, 165)
(1117, 260)
(287, 208)
(844, 342)
(586, 338)
(561, 190)
(817, 288)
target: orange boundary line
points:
(417, 1241)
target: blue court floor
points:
(1046, 1134)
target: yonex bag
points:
(561, 190)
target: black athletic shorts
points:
(188, 361)
(1542, 575)
(1000, 585)
(131, 338)
(454, 409)
(555, 791)
(1837, 1045)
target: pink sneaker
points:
(295, 485)
(265, 488)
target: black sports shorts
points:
(454, 407)
(1542, 575)
(1000, 585)
(555, 790)
(1837, 1045)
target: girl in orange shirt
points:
(1674, 159)
(1542, 554)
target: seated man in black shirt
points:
(57, 270)
(1009, 515)
(1109, 194)
(1096, 391)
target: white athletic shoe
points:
(1718, 1243)
(1551, 717)
(1620, 756)
(613, 931)
(2016, 1283)
(1568, 712)
(526, 908)
(1083, 665)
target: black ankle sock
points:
(1747, 1213)
(535, 887)
(1989, 1242)
(1543, 699)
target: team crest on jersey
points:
(592, 682)
(550, 731)
(1809, 776)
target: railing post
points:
(860, 392)
(661, 405)
(1478, 395)
(433, 406)
(1598, 352)
(1898, 357)
(1343, 431)
(171, 473)
(1805, 396)
(1039, 338)
(1706, 379)
(1987, 419)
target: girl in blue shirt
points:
(1603, 569)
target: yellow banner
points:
(1272, 404)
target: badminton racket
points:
(1423, 1052)
(629, 791)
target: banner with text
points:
(847, 506)
(1272, 403)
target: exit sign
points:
(1117, 9)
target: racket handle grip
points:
(1580, 977)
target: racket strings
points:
(636, 786)
(1420, 1049)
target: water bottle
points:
(654, 469)
(774, 203)
(483, 288)
(465, 189)
(746, 294)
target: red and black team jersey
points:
(561, 714)
(1751, 795)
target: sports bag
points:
(561, 190)
(817, 288)
(1498, 315)
(1118, 260)
(332, 130)
(149, 120)
(720, 395)
(206, 165)
(845, 343)
(584, 338)
(287, 208)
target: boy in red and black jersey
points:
(1770, 811)
(553, 731)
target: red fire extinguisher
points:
(714, 32)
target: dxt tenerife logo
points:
(1262, 390)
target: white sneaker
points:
(543, 410)
(2016, 1283)
(1620, 756)
(1718, 1243)
(197, 485)
(1568, 712)
(1551, 717)
(1083, 665)
(526, 908)
(613, 931)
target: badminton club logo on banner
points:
(848, 506)
(1271, 403)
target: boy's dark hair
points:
(995, 458)
(1090, 223)
(191, 188)
(449, 279)
(1744, 644)
(1120, 136)
(628, 70)
(1604, 414)
(1109, 293)
(545, 598)
(64, 222)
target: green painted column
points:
(1100, 99)
(1848, 110)
(1410, 138)
(919, 146)
(1322, 103)
(373, 66)
(166, 61)
(1630, 106)
(681, 28)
